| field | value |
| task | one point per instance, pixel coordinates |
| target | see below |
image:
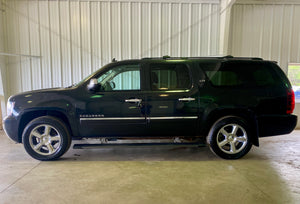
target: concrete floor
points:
(269, 174)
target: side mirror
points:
(93, 86)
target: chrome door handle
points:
(186, 99)
(134, 100)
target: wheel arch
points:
(247, 115)
(30, 115)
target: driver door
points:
(117, 109)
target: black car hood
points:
(28, 94)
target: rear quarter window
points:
(224, 78)
(241, 74)
(263, 77)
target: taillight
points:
(290, 102)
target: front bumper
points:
(11, 128)
(271, 125)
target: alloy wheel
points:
(232, 138)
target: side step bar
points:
(93, 146)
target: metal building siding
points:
(2, 58)
(266, 30)
(75, 38)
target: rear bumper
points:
(11, 128)
(272, 125)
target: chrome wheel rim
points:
(232, 138)
(45, 140)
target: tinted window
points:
(126, 77)
(240, 73)
(169, 77)
(263, 77)
(224, 78)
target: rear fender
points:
(247, 115)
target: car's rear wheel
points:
(46, 138)
(229, 138)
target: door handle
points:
(186, 99)
(134, 100)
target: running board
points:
(93, 146)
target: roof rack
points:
(229, 57)
(242, 58)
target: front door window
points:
(121, 78)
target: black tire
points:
(46, 138)
(230, 138)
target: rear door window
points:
(169, 77)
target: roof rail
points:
(228, 56)
(257, 58)
(241, 58)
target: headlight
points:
(10, 107)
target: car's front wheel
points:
(229, 138)
(46, 138)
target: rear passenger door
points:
(172, 102)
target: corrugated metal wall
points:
(2, 65)
(268, 30)
(2, 48)
(74, 38)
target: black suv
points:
(228, 101)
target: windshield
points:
(83, 80)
